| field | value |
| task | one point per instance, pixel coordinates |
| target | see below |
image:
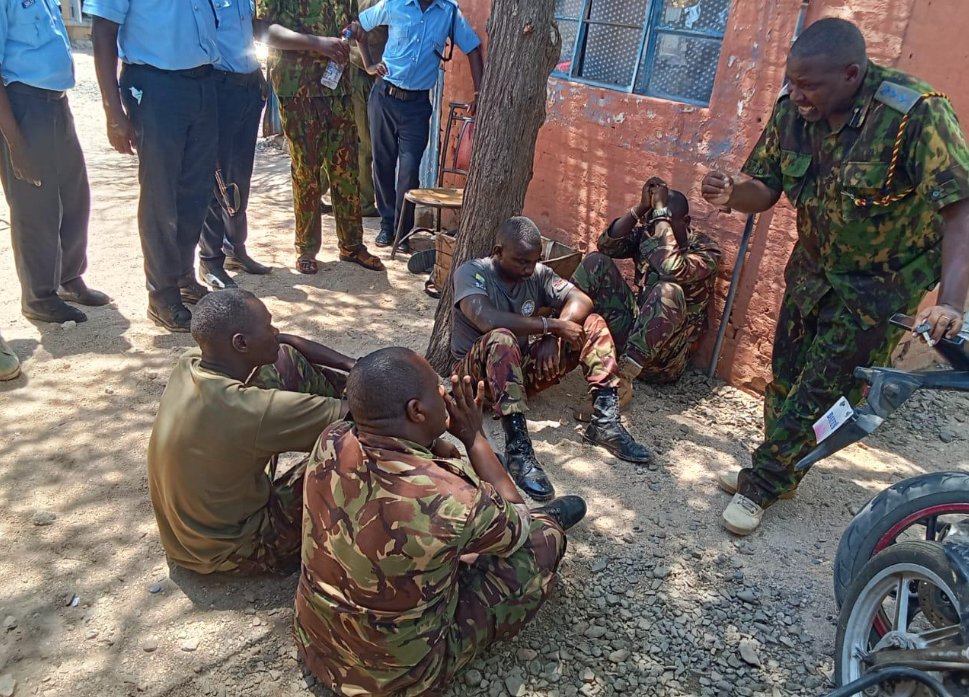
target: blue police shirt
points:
(236, 47)
(170, 35)
(413, 36)
(34, 46)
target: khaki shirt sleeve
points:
(764, 162)
(939, 162)
(293, 421)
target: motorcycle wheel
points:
(900, 594)
(914, 508)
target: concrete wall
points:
(598, 145)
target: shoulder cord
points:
(886, 198)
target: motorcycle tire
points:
(928, 558)
(889, 514)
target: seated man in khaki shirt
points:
(247, 394)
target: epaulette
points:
(898, 97)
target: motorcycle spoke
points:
(902, 594)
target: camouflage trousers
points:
(814, 358)
(511, 377)
(499, 596)
(656, 333)
(323, 148)
(276, 547)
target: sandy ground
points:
(90, 605)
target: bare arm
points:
(946, 318)
(279, 37)
(23, 167)
(577, 307)
(121, 134)
(476, 61)
(483, 314)
(318, 354)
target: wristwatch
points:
(659, 214)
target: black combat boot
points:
(567, 511)
(606, 429)
(520, 460)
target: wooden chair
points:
(441, 198)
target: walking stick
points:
(731, 294)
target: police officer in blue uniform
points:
(400, 104)
(41, 164)
(165, 108)
(241, 90)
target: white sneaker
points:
(727, 481)
(742, 516)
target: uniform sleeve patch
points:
(479, 282)
(897, 96)
(560, 284)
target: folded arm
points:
(318, 354)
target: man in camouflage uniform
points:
(676, 267)
(415, 561)
(247, 394)
(498, 305)
(318, 123)
(878, 169)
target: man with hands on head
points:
(500, 336)
(877, 167)
(415, 560)
(655, 327)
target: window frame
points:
(650, 33)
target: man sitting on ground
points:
(247, 394)
(676, 267)
(415, 562)
(497, 306)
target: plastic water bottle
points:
(334, 70)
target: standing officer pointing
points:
(165, 109)
(877, 167)
(400, 103)
(41, 163)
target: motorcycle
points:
(901, 573)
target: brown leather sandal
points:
(364, 258)
(307, 265)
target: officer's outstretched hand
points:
(943, 321)
(464, 409)
(717, 188)
(333, 48)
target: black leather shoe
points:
(607, 430)
(217, 278)
(244, 262)
(192, 292)
(520, 460)
(567, 511)
(78, 292)
(54, 311)
(384, 238)
(174, 318)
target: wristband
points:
(544, 326)
(638, 218)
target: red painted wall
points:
(598, 146)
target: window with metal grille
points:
(653, 47)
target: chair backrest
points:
(462, 152)
(460, 157)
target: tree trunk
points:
(524, 47)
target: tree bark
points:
(523, 48)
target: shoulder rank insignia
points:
(898, 97)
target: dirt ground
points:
(648, 601)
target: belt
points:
(30, 90)
(201, 71)
(402, 94)
(240, 79)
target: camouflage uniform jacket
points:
(876, 256)
(298, 73)
(658, 258)
(384, 526)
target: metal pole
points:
(731, 294)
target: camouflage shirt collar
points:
(865, 97)
(399, 445)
